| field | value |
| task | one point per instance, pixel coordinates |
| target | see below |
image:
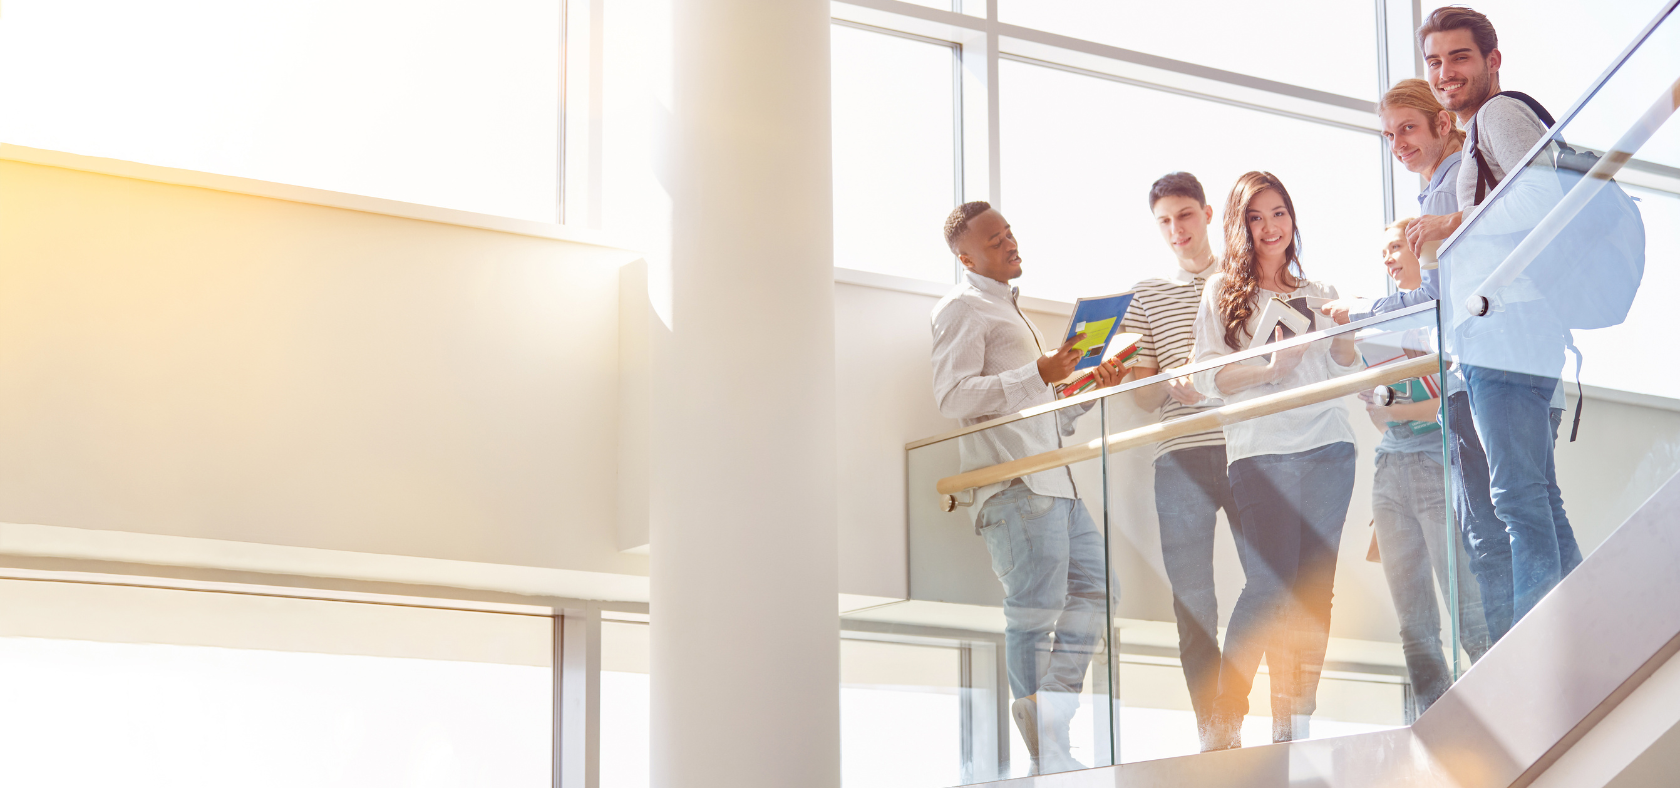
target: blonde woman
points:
(1409, 508)
(1291, 473)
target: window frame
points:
(982, 41)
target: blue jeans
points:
(1049, 556)
(1409, 508)
(1190, 489)
(1518, 426)
(1293, 507)
(1484, 535)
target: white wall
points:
(198, 363)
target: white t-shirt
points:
(1296, 430)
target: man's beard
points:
(1474, 92)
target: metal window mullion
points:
(1190, 94)
(994, 122)
(577, 726)
(560, 125)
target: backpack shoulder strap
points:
(1533, 106)
(1484, 176)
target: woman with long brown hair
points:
(1291, 473)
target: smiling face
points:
(988, 248)
(1417, 141)
(1183, 223)
(1271, 228)
(1401, 264)
(1461, 75)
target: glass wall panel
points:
(114, 685)
(439, 102)
(1080, 153)
(1246, 38)
(895, 171)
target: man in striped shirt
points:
(1190, 483)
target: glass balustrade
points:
(1319, 549)
(1087, 591)
(1556, 312)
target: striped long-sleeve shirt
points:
(1163, 311)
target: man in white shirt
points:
(990, 361)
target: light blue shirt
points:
(1439, 199)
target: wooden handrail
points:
(1200, 422)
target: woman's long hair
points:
(1240, 290)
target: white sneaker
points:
(1055, 712)
(1057, 758)
(1025, 712)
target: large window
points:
(891, 693)
(440, 102)
(116, 685)
(895, 160)
(625, 695)
(1080, 153)
(1532, 33)
(1063, 112)
(1325, 45)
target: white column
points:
(744, 577)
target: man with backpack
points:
(1511, 357)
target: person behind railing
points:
(1422, 136)
(1291, 472)
(1190, 481)
(1512, 358)
(990, 361)
(1409, 507)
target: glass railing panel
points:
(1309, 536)
(1555, 312)
(1014, 572)
(1244, 512)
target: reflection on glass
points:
(188, 688)
(1077, 187)
(894, 153)
(453, 104)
